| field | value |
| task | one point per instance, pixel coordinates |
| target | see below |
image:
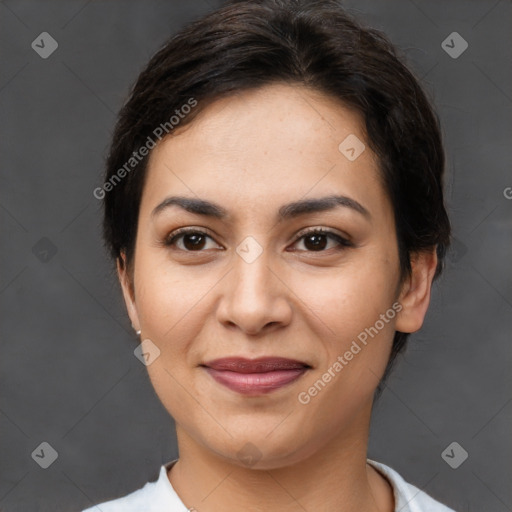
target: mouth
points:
(255, 376)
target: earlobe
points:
(416, 291)
(128, 291)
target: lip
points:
(255, 376)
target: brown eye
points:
(193, 241)
(189, 240)
(317, 240)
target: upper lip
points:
(259, 365)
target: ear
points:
(128, 291)
(415, 293)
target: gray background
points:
(69, 376)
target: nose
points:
(254, 299)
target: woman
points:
(273, 202)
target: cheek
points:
(354, 341)
(171, 305)
(167, 294)
(347, 306)
(349, 298)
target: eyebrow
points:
(287, 211)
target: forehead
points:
(269, 143)
(281, 118)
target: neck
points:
(333, 478)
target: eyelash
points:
(342, 242)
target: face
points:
(268, 271)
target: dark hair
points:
(314, 43)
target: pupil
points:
(317, 244)
(197, 241)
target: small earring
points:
(138, 333)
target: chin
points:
(263, 449)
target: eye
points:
(192, 240)
(314, 240)
(317, 240)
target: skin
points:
(252, 153)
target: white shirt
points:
(160, 495)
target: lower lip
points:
(256, 383)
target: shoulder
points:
(152, 497)
(408, 498)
